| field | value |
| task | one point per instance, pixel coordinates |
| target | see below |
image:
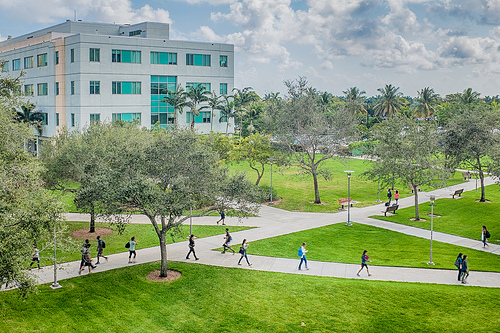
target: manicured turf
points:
(297, 189)
(462, 217)
(144, 233)
(215, 299)
(339, 243)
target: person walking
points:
(389, 197)
(364, 259)
(86, 259)
(131, 249)
(458, 264)
(484, 236)
(191, 248)
(243, 252)
(396, 196)
(227, 242)
(35, 257)
(82, 251)
(100, 247)
(465, 269)
(302, 254)
(222, 217)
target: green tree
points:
(214, 102)
(355, 100)
(242, 99)
(469, 96)
(390, 101)
(407, 150)
(177, 99)
(426, 102)
(226, 110)
(197, 95)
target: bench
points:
(412, 189)
(466, 175)
(390, 209)
(344, 202)
(458, 192)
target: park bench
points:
(412, 189)
(390, 209)
(466, 175)
(458, 192)
(344, 202)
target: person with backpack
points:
(364, 259)
(222, 217)
(191, 247)
(243, 252)
(100, 246)
(389, 197)
(227, 242)
(485, 235)
(458, 264)
(131, 249)
(465, 269)
(86, 259)
(302, 254)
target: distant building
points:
(79, 72)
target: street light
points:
(348, 197)
(271, 160)
(56, 284)
(432, 198)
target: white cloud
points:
(210, 2)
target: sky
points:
(448, 45)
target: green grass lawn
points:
(144, 233)
(215, 299)
(462, 217)
(338, 243)
(297, 190)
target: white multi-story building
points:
(78, 72)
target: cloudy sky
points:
(448, 45)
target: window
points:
(223, 89)
(72, 120)
(57, 119)
(57, 88)
(135, 32)
(16, 64)
(28, 62)
(203, 117)
(5, 67)
(126, 56)
(41, 60)
(28, 89)
(95, 87)
(126, 117)
(223, 61)
(72, 55)
(45, 118)
(198, 59)
(163, 58)
(95, 117)
(190, 85)
(126, 88)
(42, 89)
(72, 87)
(94, 55)
(56, 58)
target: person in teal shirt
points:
(131, 249)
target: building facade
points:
(78, 72)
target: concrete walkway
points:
(274, 222)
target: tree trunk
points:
(92, 218)
(211, 119)
(481, 176)
(163, 253)
(316, 188)
(415, 191)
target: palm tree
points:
(214, 103)
(355, 100)
(426, 102)
(242, 98)
(469, 96)
(197, 94)
(33, 118)
(390, 101)
(177, 99)
(226, 110)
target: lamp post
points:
(56, 284)
(271, 160)
(432, 198)
(378, 190)
(348, 197)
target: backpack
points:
(300, 253)
(488, 235)
(127, 245)
(103, 245)
(458, 262)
